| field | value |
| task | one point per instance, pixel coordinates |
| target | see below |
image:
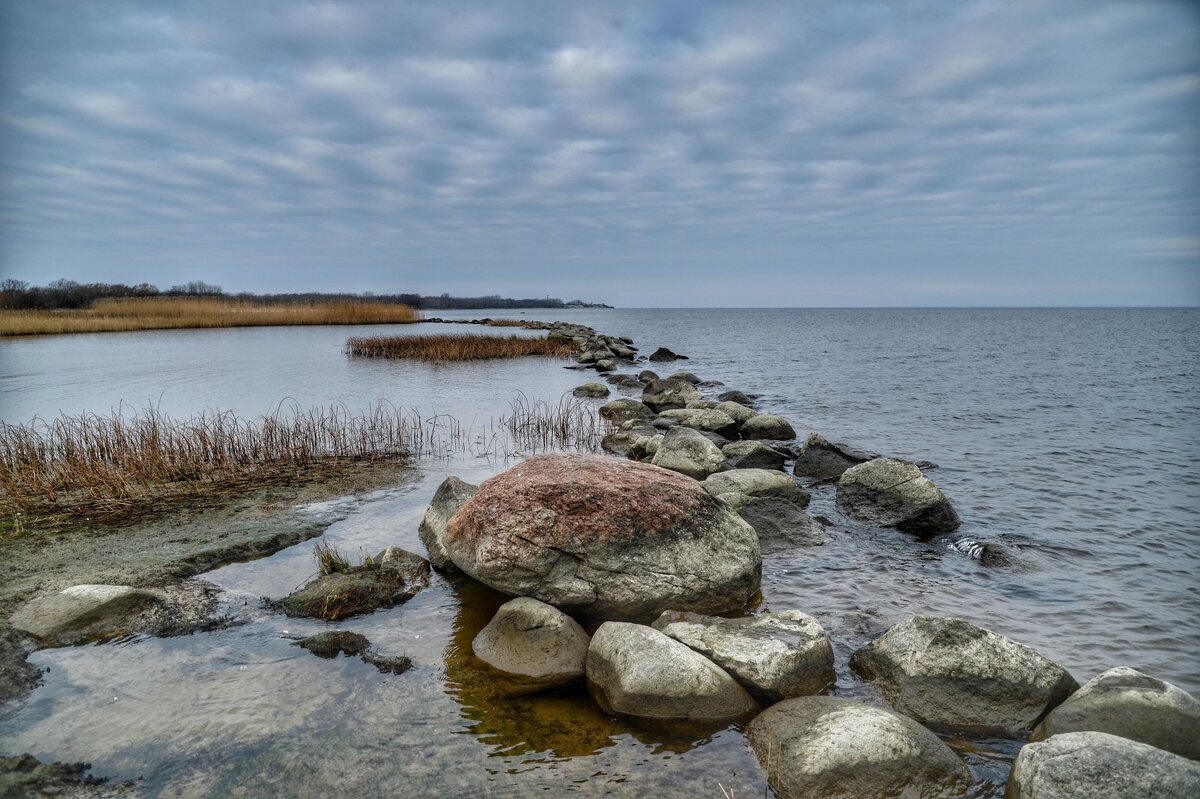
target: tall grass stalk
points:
(456, 347)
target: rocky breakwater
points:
(605, 538)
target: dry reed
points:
(449, 348)
(515, 323)
(159, 313)
(541, 427)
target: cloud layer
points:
(752, 153)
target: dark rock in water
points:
(646, 375)
(752, 455)
(665, 422)
(397, 664)
(590, 390)
(710, 383)
(992, 555)
(17, 675)
(664, 354)
(1086, 765)
(688, 376)
(624, 381)
(821, 460)
(736, 396)
(605, 365)
(396, 576)
(665, 395)
(622, 410)
(26, 776)
(771, 502)
(448, 498)
(892, 493)
(335, 642)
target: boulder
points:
(948, 671)
(736, 396)
(605, 365)
(735, 410)
(701, 405)
(769, 501)
(688, 376)
(622, 442)
(83, 612)
(647, 375)
(623, 410)
(664, 354)
(644, 448)
(767, 426)
(664, 395)
(752, 455)
(449, 497)
(1086, 765)
(688, 452)
(606, 538)
(740, 484)
(818, 747)
(637, 671)
(1125, 702)
(624, 381)
(591, 390)
(392, 577)
(705, 420)
(534, 643)
(822, 460)
(891, 493)
(773, 655)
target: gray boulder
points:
(1125, 702)
(646, 375)
(687, 451)
(773, 655)
(948, 671)
(736, 396)
(688, 376)
(83, 612)
(622, 442)
(605, 365)
(665, 395)
(767, 426)
(891, 493)
(637, 671)
(704, 420)
(534, 643)
(818, 747)
(604, 537)
(738, 485)
(591, 390)
(736, 411)
(624, 381)
(752, 455)
(702, 404)
(451, 495)
(623, 410)
(1086, 765)
(769, 501)
(644, 448)
(822, 460)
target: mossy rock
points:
(386, 582)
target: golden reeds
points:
(515, 323)
(460, 347)
(158, 313)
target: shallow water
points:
(1070, 436)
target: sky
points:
(905, 153)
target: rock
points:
(622, 410)
(822, 460)
(624, 381)
(607, 538)
(704, 420)
(586, 357)
(590, 390)
(988, 553)
(740, 484)
(736, 396)
(334, 642)
(948, 671)
(701, 405)
(393, 577)
(646, 376)
(665, 395)
(449, 497)
(1085, 765)
(818, 747)
(710, 383)
(605, 365)
(688, 376)
(393, 664)
(780, 524)
(769, 501)
(664, 354)
(773, 655)
(1125, 702)
(891, 493)
(688, 452)
(533, 642)
(83, 612)
(644, 448)
(768, 426)
(637, 671)
(752, 455)
(735, 410)
(622, 442)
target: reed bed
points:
(530, 325)
(107, 463)
(572, 423)
(456, 347)
(161, 313)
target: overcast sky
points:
(645, 153)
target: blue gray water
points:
(1068, 435)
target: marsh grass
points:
(456, 347)
(159, 313)
(530, 325)
(571, 424)
(329, 560)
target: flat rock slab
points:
(1125, 702)
(451, 495)
(773, 655)
(891, 493)
(533, 642)
(1087, 765)
(950, 672)
(639, 672)
(818, 747)
(83, 612)
(607, 538)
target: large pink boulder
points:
(604, 537)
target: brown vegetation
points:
(516, 323)
(447, 348)
(541, 427)
(156, 313)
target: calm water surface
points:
(1068, 435)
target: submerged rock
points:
(646, 375)
(818, 747)
(395, 576)
(688, 376)
(664, 354)
(606, 538)
(1125, 702)
(736, 396)
(1086, 765)
(821, 460)
(639, 672)
(533, 642)
(593, 390)
(665, 395)
(86, 613)
(767, 426)
(773, 655)
(688, 452)
(948, 671)
(449, 497)
(891, 493)
(753, 455)
(332, 643)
